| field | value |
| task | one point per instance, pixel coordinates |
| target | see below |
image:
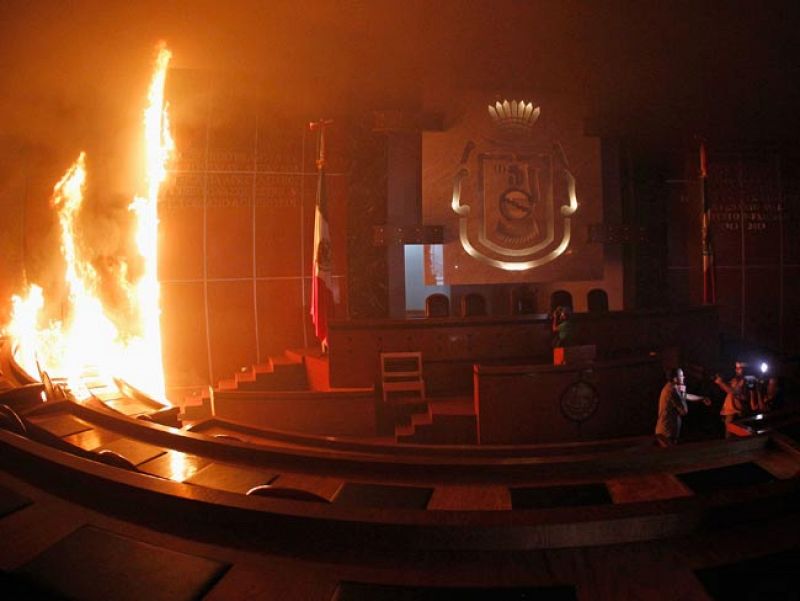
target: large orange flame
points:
(89, 342)
(158, 148)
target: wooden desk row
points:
(702, 506)
(108, 556)
(239, 465)
(451, 346)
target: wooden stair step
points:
(421, 419)
(195, 399)
(285, 360)
(412, 429)
(300, 354)
(403, 431)
(276, 373)
(458, 426)
(245, 375)
(195, 412)
(229, 384)
(457, 406)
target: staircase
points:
(277, 373)
(445, 420)
(287, 372)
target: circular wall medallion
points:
(516, 204)
(579, 401)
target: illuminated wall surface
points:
(505, 182)
(236, 226)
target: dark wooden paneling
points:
(338, 416)
(451, 345)
(367, 271)
(527, 404)
(754, 206)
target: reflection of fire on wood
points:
(91, 340)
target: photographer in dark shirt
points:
(770, 395)
(737, 396)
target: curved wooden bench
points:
(222, 427)
(458, 489)
(457, 532)
(252, 521)
(431, 467)
(261, 559)
(437, 464)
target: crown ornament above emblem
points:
(514, 195)
(514, 117)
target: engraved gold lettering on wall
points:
(229, 190)
(230, 160)
(753, 216)
(182, 190)
(746, 197)
(189, 160)
(277, 152)
(278, 191)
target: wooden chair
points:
(523, 301)
(402, 372)
(473, 304)
(437, 305)
(561, 298)
(597, 300)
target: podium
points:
(543, 403)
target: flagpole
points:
(322, 277)
(320, 127)
(709, 279)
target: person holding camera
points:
(736, 396)
(770, 395)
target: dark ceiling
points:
(77, 70)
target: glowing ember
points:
(89, 341)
